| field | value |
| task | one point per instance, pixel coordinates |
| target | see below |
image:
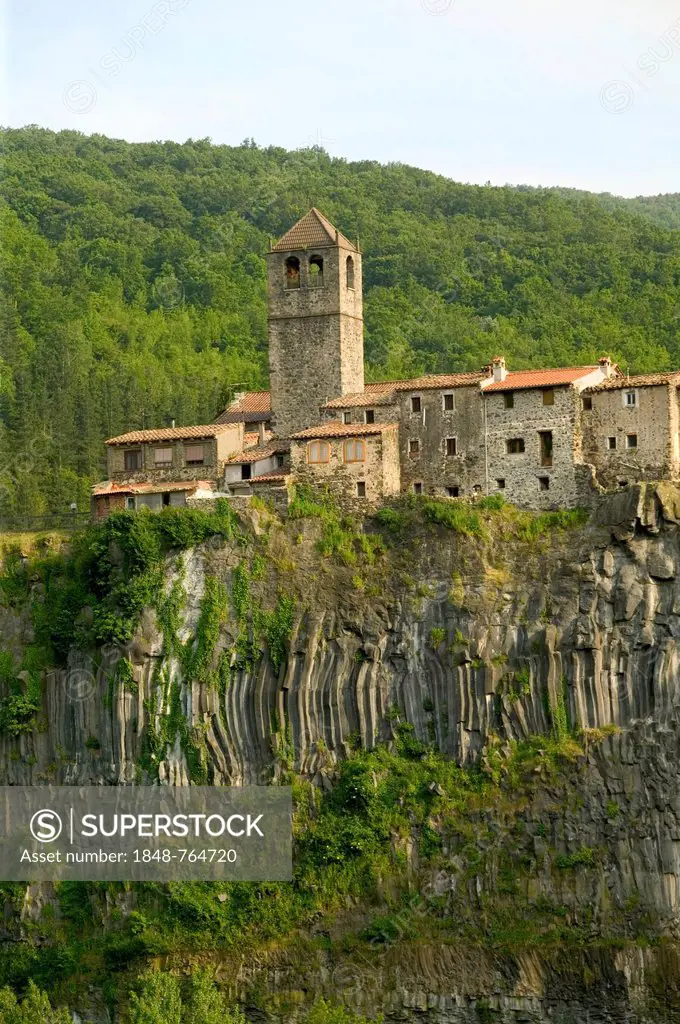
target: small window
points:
(279, 461)
(500, 484)
(316, 272)
(630, 399)
(416, 404)
(451, 446)
(548, 396)
(417, 488)
(514, 446)
(350, 272)
(509, 399)
(611, 444)
(544, 482)
(355, 451)
(162, 456)
(453, 492)
(292, 272)
(130, 504)
(195, 455)
(623, 483)
(246, 471)
(318, 451)
(448, 403)
(133, 460)
(361, 489)
(346, 417)
(165, 500)
(631, 441)
(546, 445)
(414, 448)
(369, 416)
(587, 403)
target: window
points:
(453, 492)
(451, 446)
(548, 396)
(133, 460)
(162, 456)
(346, 417)
(369, 416)
(631, 441)
(361, 489)
(630, 399)
(416, 404)
(165, 499)
(509, 399)
(587, 403)
(195, 455)
(279, 461)
(448, 403)
(514, 446)
(350, 272)
(355, 451)
(611, 444)
(246, 471)
(623, 483)
(318, 451)
(414, 448)
(417, 488)
(292, 272)
(544, 482)
(130, 504)
(545, 439)
(500, 484)
(316, 272)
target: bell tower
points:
(316, 327)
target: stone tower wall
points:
(316, 349)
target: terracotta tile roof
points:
(642, 380)
(170, 434)
(312, 231)
(146, 487)
(250, 407)
(275, 447)
(520, 379)
(383, 392)
(337, 429)
(266, 477)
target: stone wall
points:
(654, 421)
(431, 466)
(177, 470)
(104, 504)
(523, 472)
(315, 338)
(379, 472)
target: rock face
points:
(467, 642)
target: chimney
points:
(499, 370)
(172, 424)
(606, 364)
(260, 430)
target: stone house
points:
(264, 458)
(252, 408)
(357, 463)
(631, 429)
(532, 426)
(168, 466)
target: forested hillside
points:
(134, 284)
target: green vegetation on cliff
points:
(134, 289)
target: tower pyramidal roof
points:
(313, 231)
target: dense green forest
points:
(134, 284)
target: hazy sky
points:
(583, 93)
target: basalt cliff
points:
(557, 897)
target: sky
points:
(578, 93)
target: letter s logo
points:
(46, 826)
